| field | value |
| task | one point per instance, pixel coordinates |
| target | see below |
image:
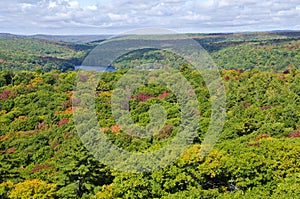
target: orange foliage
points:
(262, 136)
(68, 111)
(104, 128)
(115, 129)
(22, 117)
(161, 96)
(4, 137)
(11, 150)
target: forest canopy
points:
(257, 154)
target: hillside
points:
(257, 153)
(33, 54)
(43, 154)
(266, 51)
(269, 51)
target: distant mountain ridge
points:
(285, 31)
(277, 50)
(60, 38)
(91, 38)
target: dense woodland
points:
(256, 156)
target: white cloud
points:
(25, 6)
(92, 7)
(117, 17)
(70, 16)
(74, 4)
(52, 4)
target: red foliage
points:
(5, 95)
(54, 146)
(142, 97)
(63, 121)
(265, 108)
(11, 150)
(227, 77)
(293, 135)
(161, 96)
(40, 167)
(246, 104)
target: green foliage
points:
(38, 140)
(39, 55)
(262, 55)
(257, 156)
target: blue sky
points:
(117, 16)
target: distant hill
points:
(263, 50)
(284, 31)
(72, 38)
(8, 35)
(275, 50)
(60, 38)
(24, 53)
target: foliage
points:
(34, 54)
(28, 189)
(262, 55)
(257, 155)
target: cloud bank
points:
(116, 16)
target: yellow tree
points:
(33, 189)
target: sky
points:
(75, 17)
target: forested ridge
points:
(34, 54)
(256, 156)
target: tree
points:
(34, 189)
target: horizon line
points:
(114, 34)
